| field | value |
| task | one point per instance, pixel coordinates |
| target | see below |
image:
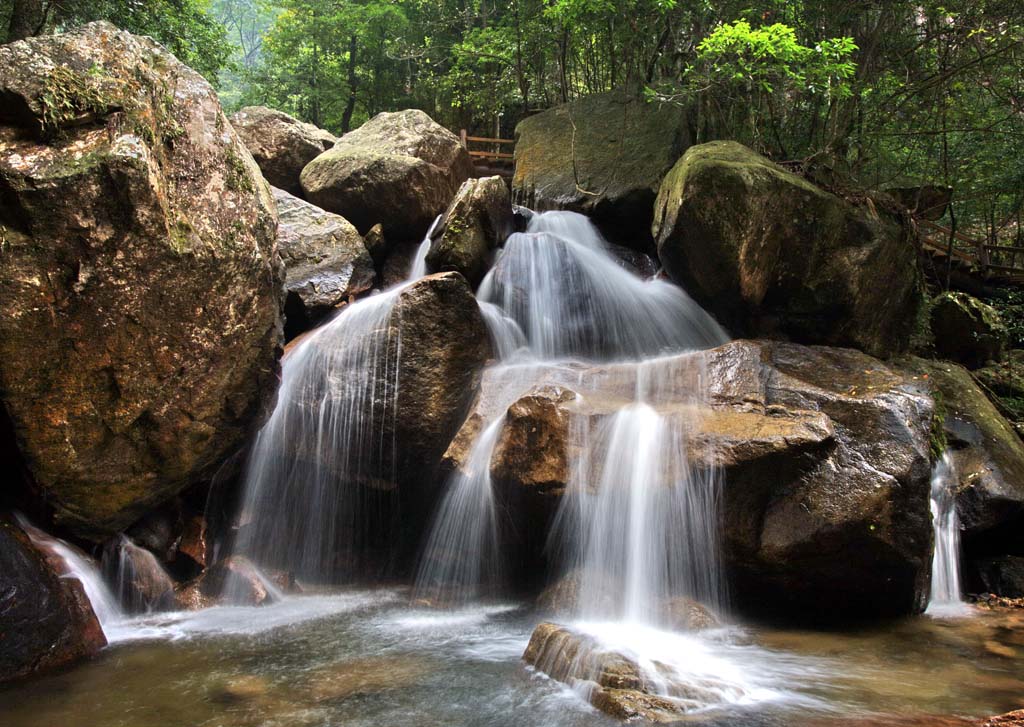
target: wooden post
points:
(462, 138)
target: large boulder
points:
(281, 144)
(475, 224)
(770, 253)
(825, 456)
(140, 284)
(45, 620)
(400, 169)
(326, 263)
(603, 155)
(967, 330)
(988, 457)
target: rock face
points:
(769, 253)
(1003, 576)
(281, 144)
(234, 580)
(988, 456)
(603, 155)
(45, 620)
(399, 169)
(967, 330)
(445, 345)
(476, 223)
(825, 456)
(136, 577)
(140, 284)
(325, 261)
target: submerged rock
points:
(475, 224)
(400, 169)
(769, 252)
(140, 284)
(326, 263)
(967, 330)
(46, 620)
(281, 144)
(603, 155)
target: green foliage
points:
(67, 97)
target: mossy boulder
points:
(140, 282)
(772, 254)
(325, 260)
(1003, 381)
(281, 144)
(987, 452)
(603, 155)
(475, 224)
(400, 169)
(967, 330)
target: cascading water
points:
(319, 499)
(945, 599)
(636, 521)
(80, 567)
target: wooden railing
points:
(935, 239)
(492, 155)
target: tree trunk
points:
(27, 19)
(353, 84)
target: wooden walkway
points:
(489, 154)
(973, 258)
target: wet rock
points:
(768, 253)
(45, 620)
(398, 263)
(281, 144)
(398, 169)
(475, 224)
(194, 542)
(158, 530)
(1003, 575)
(967, 330)
(444, 348)
(234, 580)
(614, 682)
(136, 577)
(686, 614)
(377, 245)
(326, 263)
(987, 453)
(825, 457)
(140, 284)
(1010, 719)
(603, 155)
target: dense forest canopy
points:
(875, 92)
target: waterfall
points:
(140, 582)
(560, 284)
(81, 568)
(945, 598)
(638, 525)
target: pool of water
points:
(368, 658)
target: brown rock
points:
(475, 224)
(326, 263)
(46, 621)
(400, 169)
(281, 144)
(139, 581)
(140, 285)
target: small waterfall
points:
(318, 489)
(139, 580)
(638, 524)
(419, 261)
(462, 553)
(946, 597)
(570, 297)
(82, 568)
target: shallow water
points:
(367, 658)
